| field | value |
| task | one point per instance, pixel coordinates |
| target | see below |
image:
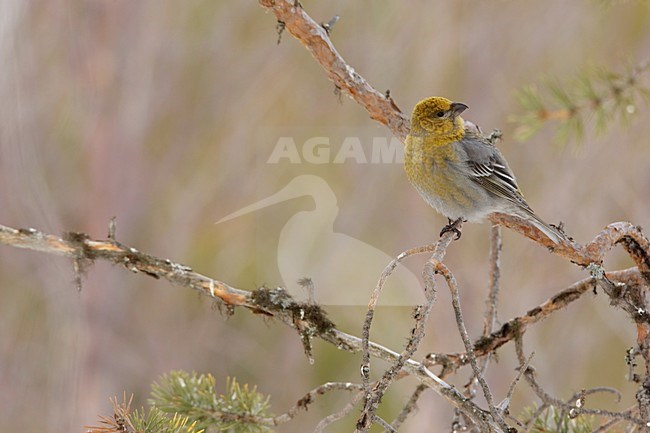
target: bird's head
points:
(438, 116)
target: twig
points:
(631, 237)
(605, 427)
(112, 227)
(315, 38)
(631, 299)
(585, 392)
(380, 421)
(409, 407)
(273, 303)
(508, 331)
(531, 421)
(530, 378)
(522, 369)
(567, 408)
(332, 418)
(372, 304)
(611, 423)
(421, 373)
(373, 396)
(455, 300)
(328, 26)
(309, 398)
(80, 246)
(490, 317)
(494, 279)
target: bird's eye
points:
(440, 113)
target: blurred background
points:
(166, 115)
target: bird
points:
(460, 172)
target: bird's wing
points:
(488, 168)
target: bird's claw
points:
(452, 227)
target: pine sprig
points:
(183, 402)
(240, 410)
(124, 420)
(596, 94)
(553, 420)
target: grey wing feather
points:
(489, 169)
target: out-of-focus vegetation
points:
(552, 419)
(165, 114)
(125, 418)
(195, 396)
(596, 94)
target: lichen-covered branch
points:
(494, 281)
(79, 246)
(509, 330)
(309, 319)
(630, 236)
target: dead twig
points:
(268, 302)
(490, 317)
(462, 329)
(310, 397)
(408, 408)
(373, 396)
(569, 409)
(372, 304)
(494, 280)
(509, 330)
(332, 418)
(316, 39)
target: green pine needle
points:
(553, 420)
(596, 95)
(239, 410)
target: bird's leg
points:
(452, 227)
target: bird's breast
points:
(436, 173)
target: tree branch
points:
(409, 407)
(382, 109)
(309, 398)
(571, 410)
(462, 329)
(314, 37)
(509, 330)
(374, 395)
(625, 233)
(307, 318)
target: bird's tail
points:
(551, 232)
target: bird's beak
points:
(457, 108)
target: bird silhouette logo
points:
(343, 269)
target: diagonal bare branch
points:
(383, 109)
(305, 317)
(314, 37)
(509, 330)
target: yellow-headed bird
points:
(458, 171)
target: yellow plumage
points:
(458, 171)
